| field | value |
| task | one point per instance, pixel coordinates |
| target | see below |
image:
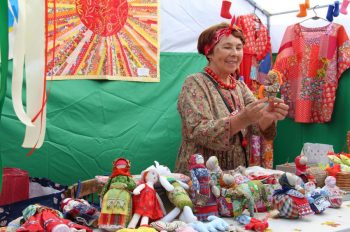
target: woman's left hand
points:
(276, 109)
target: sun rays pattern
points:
(103, 39)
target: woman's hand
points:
(276, 109)
(254, 111)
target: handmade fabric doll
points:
(41, 218)
(290, 202)
(79, 210)
(316, 198)
(201, 192)
(116, 204)
(145, 201)
(333, 192)
(271, 86)
(301, 169)
(216, 173)
(177, 195)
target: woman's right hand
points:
(254, 111)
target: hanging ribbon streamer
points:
(19, 32)
(35, 74)
(30, 49)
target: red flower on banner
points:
(105, 17)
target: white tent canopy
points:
(183, 20)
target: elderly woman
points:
(219, 112)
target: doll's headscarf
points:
(286, 185)
(219, 34)
(121, 171)
(193, 162)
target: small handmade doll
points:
(289, 201)
(216, 173)
(116, 204)
(316, 198)
(145, 201)
(42, 218)
(201, 193)
(251, 223)
(333, 192)
(301, 169)
(271, 86)
(79, 210)
(177, 195)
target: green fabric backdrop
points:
(90, 123)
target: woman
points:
(218, 112)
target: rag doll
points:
(271, 86)
(216, 173)
(316, 197)
(42, 218)
(333, 192)
(116, 203)
(177, 195)
(79, 210)
(289, 200)
(201, 193)
(145, 201)
(301, 169)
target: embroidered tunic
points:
(311, 61)
(206, 123)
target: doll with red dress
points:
(145, 201)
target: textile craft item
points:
(118, 41)
(311, 61)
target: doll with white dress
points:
(333, 192)
(145, 201)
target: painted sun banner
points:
(103, 40)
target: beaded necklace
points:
(222, 84)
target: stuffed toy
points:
(251, 223)
(201, 192)
(301, 169)
(177, 195)
(215, 172)
(116, 205)
(246, 195)
(168, 226)
(42, 218)
(316, 197)
(272, 85)
(289, 201)
(145, 201)
(80, 211)
(215, 224)
(333, 192)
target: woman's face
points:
(227, 55)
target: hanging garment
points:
(311, 61)
(256, 63)
(257, 49)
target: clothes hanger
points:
(315, 17)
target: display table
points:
(331, 220)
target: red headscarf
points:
(121, 171)
(193, 162)
(219, 34)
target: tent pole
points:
(263, 11)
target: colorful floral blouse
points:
(311, 61)
(206, 123)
